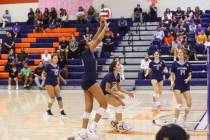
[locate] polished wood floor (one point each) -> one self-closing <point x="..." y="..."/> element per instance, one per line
<point x="22" y="116"/>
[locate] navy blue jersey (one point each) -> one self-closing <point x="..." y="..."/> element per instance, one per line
<point x="111" y="79"/>
<point x="89" y="65"/>
<point x="52" y="74"/>
<point x="181" y="71"/>
<point x="157" y="69"/>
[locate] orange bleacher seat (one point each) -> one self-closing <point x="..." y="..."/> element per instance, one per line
<point x="2" y="68"/>
<point x="45" y="35"/>
<point x="36" y="50"/>
<point x="36" y="61"/>
<point x="56" y="44"/>
<point x="4" y="56"/>
<point x="4" y="75"/>
<point x="28" y="40"/>
<point x="3" y="62"/>
<point x="22" y="45"/>
<point x="60" y="30"/>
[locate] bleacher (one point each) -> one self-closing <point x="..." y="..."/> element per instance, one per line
<point x="36" y="43"/>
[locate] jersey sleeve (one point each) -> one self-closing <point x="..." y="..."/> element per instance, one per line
<point x="173" y="68"/>
<point x="22" y="72"/>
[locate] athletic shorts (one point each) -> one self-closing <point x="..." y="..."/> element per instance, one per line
<point x="182" y="87"/>
<point x="86" y="84"/>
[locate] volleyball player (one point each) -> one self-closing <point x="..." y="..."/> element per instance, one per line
<point x="113" y="90"/>
<point x="52" y="77"/>
<point x="90" y="86"/>
<point x="181" y="74"/>
<point x="157" y="67"/>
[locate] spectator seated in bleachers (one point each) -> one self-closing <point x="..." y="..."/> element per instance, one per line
<point x="6" y="18"/>
<point x="172" y="132"/>
<point x="16" y="30"/>
<point x="46" y="17"/>
<point x="159" y="35"/>
<point x="152" y="13"/>
<point x="176" y="44"/>
<point x="144" y="67"/>
<point x="53" y="14"/>
<point x="92" y="15"/>
<point x="31" y="17"/>
<point x="168" y="39"/>
<point x="39" y="27"/>
<point x="13" y="76"/>
<point x="63" y="47"/>
<point x="189" y="12"/>
<point x="81" y="15"/>
<point x="26" y="75"/>
<point x="167" y="14"/>
<point x="87" y="34"/>
<point x="166" y="22"/>
<point x="201" y="38"/>
<point x="122" y="26"/>
<point x="179" y="13"/>
<point x="38" y="15"/>
<point x="62" y="63"/>
<point x="22" y="58"/>
<point x="11" y="61"/>
<point x="174" y="22"/>
<point x="190" y="51"/>
<point x="138" y="14"/>
<point x="108" y="41"/>
<point x="8" y="43"/>
<point x="64" y="17"/>
<point x="197" y="14"/>
<point x="192" y="27"/>
<point x="73" y="47"/>
<point x="46" y="58"/>
<point x="38" y="76"/>
<point x="198" y="29"/>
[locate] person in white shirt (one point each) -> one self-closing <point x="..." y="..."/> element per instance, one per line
<point x="46" y="57"/>
<point x="6" y="18"/>
<point x="144" y="67"/>
<point x="159" y="34"/>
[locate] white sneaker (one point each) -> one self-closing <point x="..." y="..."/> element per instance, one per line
<point x="78" y="137"/>
<point x="9" y="87"/>
<point x="92" y="134"/>
<point x="123" y="127"/>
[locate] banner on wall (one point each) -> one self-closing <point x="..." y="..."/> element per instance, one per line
<point x="70" y="5"/>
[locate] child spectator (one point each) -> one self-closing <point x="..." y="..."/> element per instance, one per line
<point x="26" y="75"/>
<point x="38" y="76"/>
<point x="13" y="76"/>
<point x="31" y="17"/>
<point x="6" y="18"/>
<point x="16" y="29"/>
<point x="11" y="61"/>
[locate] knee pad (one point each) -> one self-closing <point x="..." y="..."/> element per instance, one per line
<point x="59" y="98"/>
<point x="119" y="109"/>
<point x="179" y="106"/>
<point x="155" y="95"/>
<point x="100" y="111"/>
<point x="86" y="115"/>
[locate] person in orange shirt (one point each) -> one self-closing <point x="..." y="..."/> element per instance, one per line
<point x="168" y="39"/>
<point x="201" y="37"/>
